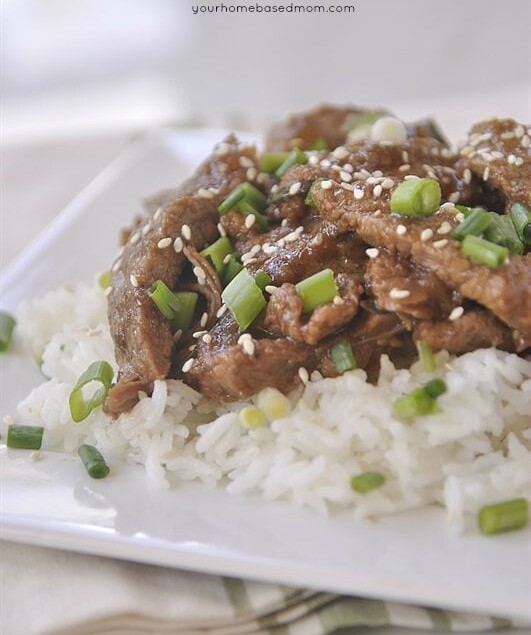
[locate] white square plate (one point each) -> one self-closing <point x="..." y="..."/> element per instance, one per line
<point x="409" y="557"/>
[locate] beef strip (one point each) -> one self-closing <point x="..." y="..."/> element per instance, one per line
<point x="499" y="152"/>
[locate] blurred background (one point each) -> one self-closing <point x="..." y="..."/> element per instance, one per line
<point x="80" y="77"/>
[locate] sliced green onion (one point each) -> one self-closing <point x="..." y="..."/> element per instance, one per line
<point x="506" y="516"/>
<point x="318" y="289"/>
<point x="426" y="357"/>
<point x="233" y="268"/>
<point x="243" y="193"/>
<point x="251" y="417"/>
<point x="217" y="252"/>
<point x="309" y="198"/>
<point x="418" y="197"/>
<point x="178" y="307"/>
<point x="271" y="161"/>
<point x="360" y="125"/>
<point x="466" y="210"/>
<point x="93" y="461"/>
<point x="105" y="279"/>
<point x="501" y="231"/>
<point x="273" y="404"/>
<point x="419" y="402"/>
<point x="295" y="157"/>
<point x="474" y="224"/>
<point x="7" y="324"/>
<point x="484" y="252"/>
<point x="319" y="144"/>
<point x="24" y="437"/>
<point x="343" y="357"/>
<point x="244" y="299"/>
<point x="521" y="217"/>
<point x="80" y="407"/>
<point x="367" y="482"/>
<point x="262" y="279"/>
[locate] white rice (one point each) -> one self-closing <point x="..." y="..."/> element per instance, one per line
<point x="476" y="450"/>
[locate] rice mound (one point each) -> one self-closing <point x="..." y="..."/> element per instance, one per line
<point x="476" y="450"/>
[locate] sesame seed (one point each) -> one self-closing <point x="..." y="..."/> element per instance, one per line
<point x="207" y="338"/>
<point x="177" y="335"/>
<point x="221" y="311"/>
<point x="519" y="131"/>
<point x="326" y="185"/>
<point x="221" y="230"/>
<point x="248" y="347"/>
<point x="460" y="217"/>
<point x="117" y="265"/>
<point x="411" y="177"/>
<point x="313" y="160"/>
<point x="486" y="174"/>
<point x="192" y="348"/>
<point x="426" y="234"/>
<point x="303" y="375"/>
<point x="35" y="456"/>
<point x="274" y="189"/>
<point x="454" y="197"/>
<point x="404" y="167"/>
<point x="399" y="294"/>
<point x="187" y="365"/>
<point x="372" y="180"/>
<point x="255" y="249"/>
<point x="507" y="135"/>
<point x="133" y="280"/>
<point x="164" y="242"/>
<point x="439" y="244"/>
<point x="340" y="153"/>
<point x="377" y="213"/>
<point x="204" y="193"/>
<point x="246" y="162"/>
<point x="372" y="252"/>
<point x="204" y="319"/>
<point x="270" y="288"/>
<point x="348" y="167"/>
<point x="269" y="249"/>
<point x="243" y="337"/>
<point x="292" y="237"/>
<point x="134" y="238"/>
<point x="107" y="291"/>
<point x="186" y="232"/>
<point x="401" y="230"/>
<point x="250" y="220"/>
<point x="262" y="178"/>
<point x="251" y="174"/>
<point x="444" y="228"/>
<point x="387" y="184"/>
<point x="377" y="190"/>
<point x="405" y="156"/>
<point x="316" y="376"/>
<point x="294" y="188"/>
<point x="526" y="141"/>
<point x="198" y="334"/>
<point x="250" y="261"/>
<point x="378" y="174"/>
<point x="338" y="300"/>
<point x="467" y="176"/>
<point x="325" y="163"/>
<point x="227" y="259"/>
<point x="447" y="207"/>
<point x="222" y="149"/>
<point x="519" y="161"/>
<point x="284" y="222"/>
<point x="358" y="193"/>
<point x="199" y="273"/>
<point x="157" y="214"/>
<point x="456" y="313"/>
<point x="347" y="186"/>
<point x="345" y="176"/>
<point x="146" y="228"/>
<point x="178" y="245"/>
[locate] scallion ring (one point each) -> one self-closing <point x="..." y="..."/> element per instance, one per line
<point x="80" y="406"/>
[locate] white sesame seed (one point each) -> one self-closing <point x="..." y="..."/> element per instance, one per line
<point x="250" y="261"/>
<point x="507" y="135"/>
<point x="316" y="376"/>
<point x="198" y="334"/>
<point x="107" y="291"/>
<point x="387" y="184"/>
<point x="255" y="249"/>
<point x="399" y="294"/>
<point x="186" y="232"/>
<point x="439" y="244"/>
<point x="250" y="220"/>
<point x="467" y="176"/>
<point x="460" y="217"/>
<point x="401" y="230"/>
<point x="456" y="313"/>
<point x="347" y="186"/>
<point x="378" y="174"/>
<point x="187" y="365"/>
<point x="199" y="273"/>
<point x="248" y="347"/>
<point x="177" y="335"/>
<point x="313" y="160"/>
<point x="221" y="230"/>
<point x="447" y="207"/>
<point x="292" y="237"/>
<point x="338" y="300"/>
<point x="134" y="238"/>
<point x="525" y="141"/>
<point x="204" y="193"/>
<point x="284" y="222"/>
<point x="444" y="228"/>
<point x="251" y="174"/>
<point x="243" y="337"/>
<point x="372" y="252"/>
<point x="274" y="189"/>
<point x="340" y="153"/>
<point x="372" y="180"/>
<point x="454" y="197"/>
<point x="270" y="288"/>
<point x="326" y="185"/>
<point x="146" y="228"/>
<point x="117" y="265"/>
<point x="164" y="242"/>
<point x="35" y="456"/>
<point x="345" y="176"/>
<point x="133" y="280"/>
<point x="405" y="156"/>
<point x="246" y="162"/>
<point x="404" y="167"/>
<point x="519" y="131"/>
<point x="262" y="178"/>
<point x="178" y="245"/>
<point x="192" y="348"/>
<point x="519" y="161"/>
<point x="325" y="163"/>
<point x="269" y="249"/>
<point x="411" y="177"/>
<point x="204" y="319"/>
<point x="227" y="259"/>
<point x="377" y="190"/>
<point x="426" y="234"/>
<point x="486" y="173"/>
<point x="222" y="310"/>
<point x="294" y="188"/>
<point x="303" y="375"/>
<point x="358" y="193"/>
<point x="348" y="168"/>
<point x="207" y="338"/>
<point x="157" y="214"/>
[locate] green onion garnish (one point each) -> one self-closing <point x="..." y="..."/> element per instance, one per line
<point x="506" y="516"/>
<point x="104" y="280"/>
<point x="295" y="157"/>
<point x="419" y="402"/>
<point x="93" y="461"/>
<point x="262" y="279"/>
<point x="7" y="324"/>
<point x="367" y="481"/>
<point x="271" y="161"/>
<point x="81" y="407"/>
<point x="243" y="193"/>
<point x="418" y="197"/>
<point x="217" y="252"/>
<point x="466" y="210"/>
<point x="24" y="437"/>
<point x="484" y="252"/>
<point x="318" y="289"/>
<point x="319" y="144"/>
<point x="309" y="198"/>
<point x="244" y="299"/>
<point x="233" y="268"/>
<point x="501" y="231"/>
<point x="251" y="417"/>
<point x="360" y="125"/>
<point x="426" y="357"/>
<point x="474" y="224"/>
<point x="178" y="307"/>
<point x="343" y="357"/>
<point x="521" y="217"/>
